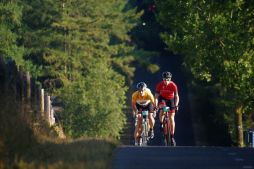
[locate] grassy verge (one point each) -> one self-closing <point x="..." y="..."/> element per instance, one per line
<point x="27" y="143"/>
<point x="78" y="154"/>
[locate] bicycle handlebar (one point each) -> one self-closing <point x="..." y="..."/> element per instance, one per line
<point x="176" y="108"/>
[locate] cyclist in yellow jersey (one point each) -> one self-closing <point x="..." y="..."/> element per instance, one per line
<point x="143" y="99"/>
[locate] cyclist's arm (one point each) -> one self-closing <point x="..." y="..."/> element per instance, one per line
<point x="176" y="96"/>
<point x="177" y="99"/>
<point x="134" y="107"/>
<point x="133" y="102"/>
<point x="156" y="99"/>
<point x="157" y="94"/>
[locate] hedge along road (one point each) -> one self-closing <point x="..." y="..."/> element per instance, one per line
<point x="183" y="157"/>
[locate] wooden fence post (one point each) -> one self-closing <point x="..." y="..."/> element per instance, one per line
<point x="41" y="102"/>
<point x="25" y="89"/>
<point x="47" y="107"/>
<point x="28" y="86"/>
<point x="21" y="84"/>
<point x="18" y="84"/>
<point x="52" y="118"/>
<point x="34" y="95"/>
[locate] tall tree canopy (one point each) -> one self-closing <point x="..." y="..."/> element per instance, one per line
<point x="216" y="40"/>
<point x="81" y="50"/>
<point x="77" y="48"/>
<point x="10" y="23"/>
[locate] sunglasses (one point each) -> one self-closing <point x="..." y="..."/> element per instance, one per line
<point x="166" y="79"/>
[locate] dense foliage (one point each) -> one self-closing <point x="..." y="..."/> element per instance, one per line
<point x="10" y="23"/>
<point x="81" y="51"/>
<point x="216" y="40"/>
<point x="88" y="52"/>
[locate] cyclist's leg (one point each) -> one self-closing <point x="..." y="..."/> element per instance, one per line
<point x="151" y="118"/>
<point x="161" y="116"/>
<point x="172" y="127"/>
<point x="172" y="122"/>
<point x="151" y="125"/>
<point x="161" y="102"/>
<point x="171" y="104"/>
<point x="137" y="131"/>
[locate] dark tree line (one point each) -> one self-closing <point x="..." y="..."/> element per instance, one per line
<point x="215" y="39"/>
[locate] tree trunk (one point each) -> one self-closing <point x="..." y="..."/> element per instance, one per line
<point x="239" y="124"/>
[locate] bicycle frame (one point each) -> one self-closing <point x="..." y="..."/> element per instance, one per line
<point x="166" y="126"/>
<point x="144" y="134"/>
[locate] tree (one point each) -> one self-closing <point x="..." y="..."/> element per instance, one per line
<point x="10" y="23"/>
<point x="83" y="45"/>
<point x="94" y="106"/>
<point x="216" y="40"/>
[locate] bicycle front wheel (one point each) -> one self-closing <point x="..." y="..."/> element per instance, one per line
<point x="144" y="134"/>
<point x="166" y="133"/>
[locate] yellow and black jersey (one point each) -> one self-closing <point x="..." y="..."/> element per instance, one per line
<point x="143" y="100"/>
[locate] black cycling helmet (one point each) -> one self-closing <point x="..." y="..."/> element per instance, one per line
<point x="141" y="85"/>
<point x="166" y="75"/>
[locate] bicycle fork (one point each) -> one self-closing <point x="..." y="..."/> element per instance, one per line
<point x="144" y="134"/>
<point x="166" y="131"/>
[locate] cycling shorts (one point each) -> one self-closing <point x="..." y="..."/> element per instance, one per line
<point x="148" y="107"/>
<point x="169" y="102"/>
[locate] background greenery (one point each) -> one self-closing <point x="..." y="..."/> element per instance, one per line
<point x="86" y="51"/>
<point x="215" y="39"/>
<point x="80" y="51"/>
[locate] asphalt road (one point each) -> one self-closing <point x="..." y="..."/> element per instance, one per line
<point x="159" y="157"/>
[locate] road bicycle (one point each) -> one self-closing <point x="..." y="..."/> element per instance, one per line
<point x="145" y="128"/>
<point x="166" y="126"/>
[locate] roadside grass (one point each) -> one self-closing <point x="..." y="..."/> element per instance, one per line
<point x="26" y="142"/>
<point x="76" y="154"/>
